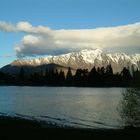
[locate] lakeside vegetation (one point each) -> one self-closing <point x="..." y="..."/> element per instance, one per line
<point x="96" y="77"/>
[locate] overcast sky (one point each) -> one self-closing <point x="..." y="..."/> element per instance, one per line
<point x="30" y="28"/>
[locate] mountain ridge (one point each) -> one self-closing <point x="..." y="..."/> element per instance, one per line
<point x="85" y="59"/>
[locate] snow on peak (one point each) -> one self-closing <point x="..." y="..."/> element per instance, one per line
<point x="87" y="58"/>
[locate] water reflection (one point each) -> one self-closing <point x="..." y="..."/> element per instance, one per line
<point x="129" y="107"/>
<point x="78" y="107"/>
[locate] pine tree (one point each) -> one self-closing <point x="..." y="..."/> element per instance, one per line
<point x="21" y="74"/>
<point x="109" y="76"/>
<point x="69" y="74"/>
<point x="126" y="76"/>
<point x="93" y="77"/>
<point x="61" y="77"/>
<point x="69" y="77"/>
<point x="109" y="70"/>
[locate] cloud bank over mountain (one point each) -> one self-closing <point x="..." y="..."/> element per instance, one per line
<point x="41" y="40"/>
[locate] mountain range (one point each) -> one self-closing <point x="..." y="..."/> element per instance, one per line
<point x="84" y="59"/>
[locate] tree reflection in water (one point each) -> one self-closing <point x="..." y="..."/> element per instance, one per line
<point x="129" y="107"/>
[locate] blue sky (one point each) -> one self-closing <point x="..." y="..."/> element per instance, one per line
<point x="63" y="14"/>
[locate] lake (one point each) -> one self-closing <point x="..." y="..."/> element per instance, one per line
<point x="70" y="106"/>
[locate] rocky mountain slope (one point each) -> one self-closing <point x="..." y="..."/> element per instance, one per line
<point x="83" y="59"/>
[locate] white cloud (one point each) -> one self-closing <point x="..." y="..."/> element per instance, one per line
<point x="24" y="26"/>
<point x="28" y="28"/>
<point x="111" y="37"/>
<point x="6" y="27"/>
<point x="40" y="40"/>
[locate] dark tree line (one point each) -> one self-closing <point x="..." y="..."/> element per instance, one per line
<point x="96" y="77"/>
<point x="5" y="79"/>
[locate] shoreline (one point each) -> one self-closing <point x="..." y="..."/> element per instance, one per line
<point x="16" y="126"/>
<point x="70" y="86"/>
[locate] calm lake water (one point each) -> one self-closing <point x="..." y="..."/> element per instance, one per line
<point x="71" y="106"/>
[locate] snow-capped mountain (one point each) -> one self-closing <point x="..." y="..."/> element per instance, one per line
<point x="86" y="59"/>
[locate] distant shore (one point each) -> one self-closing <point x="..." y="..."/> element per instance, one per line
<point x="22" y="128"/>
